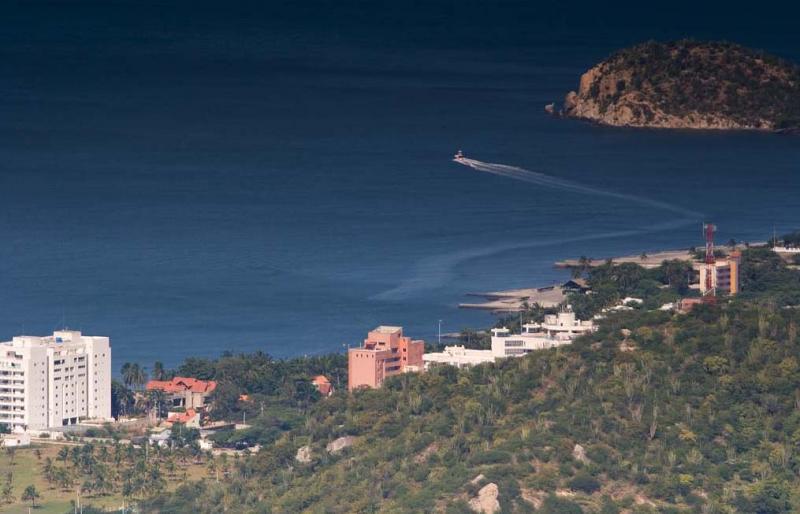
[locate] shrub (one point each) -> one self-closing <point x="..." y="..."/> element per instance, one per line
<point x="584" y="482"/>
<point x="555" y="505"/>
<point x="490" y="457"/>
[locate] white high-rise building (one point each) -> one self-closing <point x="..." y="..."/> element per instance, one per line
<point x="55" y="380"/>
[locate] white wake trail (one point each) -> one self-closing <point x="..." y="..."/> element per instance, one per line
<point x="533" y="177"/>
<point x="437" y="270"/>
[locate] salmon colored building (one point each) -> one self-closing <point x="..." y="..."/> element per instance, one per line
<point x="724" y="274"/>
<point x="386" y="352"/>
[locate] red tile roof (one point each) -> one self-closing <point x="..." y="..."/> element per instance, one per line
<point x="322" y="384"/>
<point x="182" y="417"/>
<point x="181" y="384"/>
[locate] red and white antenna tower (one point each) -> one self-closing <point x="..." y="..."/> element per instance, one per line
<point x="710" y="291"/>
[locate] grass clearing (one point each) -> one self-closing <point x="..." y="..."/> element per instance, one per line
<point x="27" y="470"/>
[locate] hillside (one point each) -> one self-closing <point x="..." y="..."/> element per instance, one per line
<point x="656" y="412"/>
<point x="689" y="85"/>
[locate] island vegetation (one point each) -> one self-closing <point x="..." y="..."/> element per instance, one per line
<point x="690" y="84"/>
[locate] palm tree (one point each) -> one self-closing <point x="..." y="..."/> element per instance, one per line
<point x="64" y="478"/>
<point x="8" y="489"/>
<point x="101" y="482"/>
<point x="123" y="398"/>
<point x="585" y="263"/>
<point x="31" y="494"/>
<point x="133" y="375"/>
<point x="140" y="376"/>
<point x="170" y="466"/>
<point x="158" y="371"/>
<point x="156" y="399"/>
<point x="127" y="373"/>
<point x="212" y="468"/>
<point x="47" y="469"/>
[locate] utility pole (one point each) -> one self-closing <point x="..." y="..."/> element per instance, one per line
<point x="709" y="296"/>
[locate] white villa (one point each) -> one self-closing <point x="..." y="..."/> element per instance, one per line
<point x="556" y="330"/>
<point x="457" y="356"/>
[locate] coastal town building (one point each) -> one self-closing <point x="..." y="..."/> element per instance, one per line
<point x="186" y="392"/>
<point x="791" y="250"/>
<point x="17" y="440"/>
<point x="323" y="385"/>
<point x="724" y="274"/>
<point x="54" y="381"/>
<point x="555" y="330"/>
<point x="190" y="417"/>
<point x="687" y="304"/>
<point x="385" y="352"/>
<point x="457" y="356"/>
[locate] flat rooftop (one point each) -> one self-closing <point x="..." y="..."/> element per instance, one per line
<point x="388" y="329"/>
<point x="59" y="337"/>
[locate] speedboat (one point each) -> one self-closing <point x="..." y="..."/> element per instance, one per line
<point x="458" y="156"/>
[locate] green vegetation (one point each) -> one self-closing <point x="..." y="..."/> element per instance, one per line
<point x="272" y="385"/>
<point x="792" y="240"/>
<point x="611" y="283"/>
<point x="105" y="474"/>
<point x="694" y="412"/>
<point x="767" y="280"/>
<point x="278" y="391"/>
<point x="31" y="494"/>
<point x="655" y="412"/>
<point x="736" y="85"/>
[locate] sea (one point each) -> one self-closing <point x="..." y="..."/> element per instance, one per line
<point x="191" y="178"/>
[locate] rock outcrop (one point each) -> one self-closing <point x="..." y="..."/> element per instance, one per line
<point x="689" y="85"/>
<point x="340" y="444"/>
<point x="487" y="500"/>
<point x="579" y="454"/>
<point x="303" y="455"/>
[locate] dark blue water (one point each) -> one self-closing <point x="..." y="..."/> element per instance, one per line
<point x="189" y="180"/>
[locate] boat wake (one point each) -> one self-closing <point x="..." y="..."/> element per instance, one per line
<point x="436" y="271"/>
<point x="533" y="177"/>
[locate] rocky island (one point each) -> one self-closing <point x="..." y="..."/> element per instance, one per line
<point x="689" y="85"/>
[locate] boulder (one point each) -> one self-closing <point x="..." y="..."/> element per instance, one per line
<point x="303" y="455"/>
<point x="340" y="444"/>
<point x="486" y="502"/>
<point x="579" y="454"/>
<point x="477" y="479"/>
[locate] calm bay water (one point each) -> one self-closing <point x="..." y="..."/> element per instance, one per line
<point x="190" y="180"/>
